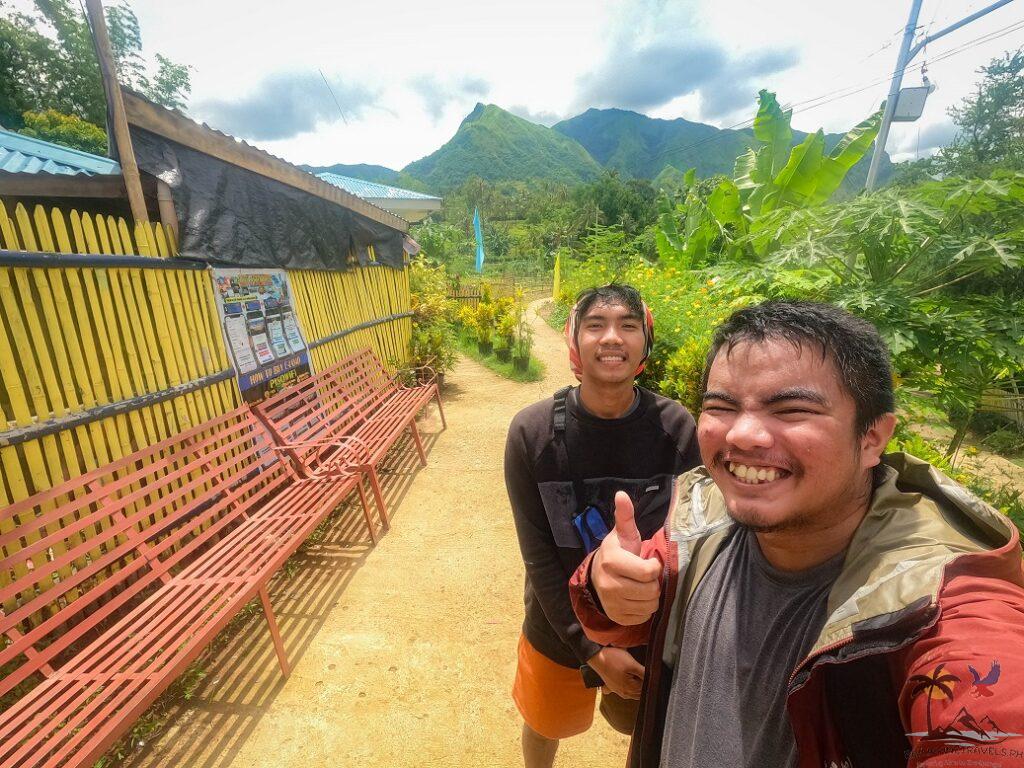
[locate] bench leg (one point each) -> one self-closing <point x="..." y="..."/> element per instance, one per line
<point x="275" y="633"/>
<point x="440" y="408"/>
<point x="378" y="497"/>
<point x="419" y="443"/>
<point x="366" y="511"/>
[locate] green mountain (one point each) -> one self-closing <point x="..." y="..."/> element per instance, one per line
<point x="499" y="146"/>
<point x="639" y="146"/>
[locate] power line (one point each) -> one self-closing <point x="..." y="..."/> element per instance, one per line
<point x="842" y="93"/>
<point x="331" y="90"/>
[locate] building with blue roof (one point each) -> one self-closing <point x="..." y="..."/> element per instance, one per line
<point x="33" y="168"/>
<point x="411" y="206"/>
<point x="24" y="154"/>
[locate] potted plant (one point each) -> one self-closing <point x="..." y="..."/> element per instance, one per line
<point x="484" y="317"/>
<point x="505" y="335"/>
<point x="523" y="345"/>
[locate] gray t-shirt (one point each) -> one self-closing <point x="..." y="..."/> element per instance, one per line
<point x="747" y="627"/>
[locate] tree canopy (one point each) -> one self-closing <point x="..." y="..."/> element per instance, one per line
<point x="48" y="65"/>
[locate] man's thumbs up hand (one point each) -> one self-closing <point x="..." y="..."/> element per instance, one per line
<point x="628" y="586"/>
<point x="625" y="524"/>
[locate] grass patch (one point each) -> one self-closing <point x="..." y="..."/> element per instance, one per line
<point x="557" y="316"/>
<point x="534" y="371"/>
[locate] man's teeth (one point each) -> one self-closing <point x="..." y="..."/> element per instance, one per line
<point x="754" y="475"/>
<point x="619" y="358"/>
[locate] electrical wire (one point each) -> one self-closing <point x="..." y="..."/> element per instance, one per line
<point x="827" y="98"/>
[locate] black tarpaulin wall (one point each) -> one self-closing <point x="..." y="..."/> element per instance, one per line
<point x="233" y="216"/>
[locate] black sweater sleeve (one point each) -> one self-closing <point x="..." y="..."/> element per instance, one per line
<point x="537" y="544"/>
<point x="688" y="449"/>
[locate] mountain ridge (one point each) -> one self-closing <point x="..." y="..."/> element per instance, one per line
<point x="496" y="145"/>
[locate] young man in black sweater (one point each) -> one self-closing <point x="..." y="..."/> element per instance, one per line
<point x="565" y="458"/>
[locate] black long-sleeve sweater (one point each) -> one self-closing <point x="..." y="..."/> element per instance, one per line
<point x="640" y="453"/>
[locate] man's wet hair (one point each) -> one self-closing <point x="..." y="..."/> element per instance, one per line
<point x="613" y="293"/>
<point x="853" y="345"/>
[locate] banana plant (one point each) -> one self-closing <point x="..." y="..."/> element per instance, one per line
<point x="712" y="222"/>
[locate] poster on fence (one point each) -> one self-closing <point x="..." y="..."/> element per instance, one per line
<point x="260" y="329"/>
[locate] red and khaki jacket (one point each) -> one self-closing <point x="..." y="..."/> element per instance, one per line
<point x="921" y="659"/>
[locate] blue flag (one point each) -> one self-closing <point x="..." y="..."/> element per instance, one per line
<point x="479" y="240"/>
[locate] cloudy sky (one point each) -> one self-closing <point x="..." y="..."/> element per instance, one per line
<point x="405" y="73"/>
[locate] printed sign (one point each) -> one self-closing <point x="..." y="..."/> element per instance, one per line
<point x="261" y="331"/>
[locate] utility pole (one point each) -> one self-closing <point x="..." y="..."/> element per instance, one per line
<point x="119" y="121"/>
<point x="906" y="55"/>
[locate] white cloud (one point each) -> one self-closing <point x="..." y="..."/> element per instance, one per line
<point x="533" y="54"/>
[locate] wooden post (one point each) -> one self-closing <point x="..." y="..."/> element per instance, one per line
<point x="108" y="70"/>
<point x="168" y="216"/>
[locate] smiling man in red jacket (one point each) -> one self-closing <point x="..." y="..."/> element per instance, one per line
<point x="811" y="602"/>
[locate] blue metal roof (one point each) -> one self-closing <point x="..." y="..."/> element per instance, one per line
<point x="23" y="154"/>
<point x="369" y="190"/>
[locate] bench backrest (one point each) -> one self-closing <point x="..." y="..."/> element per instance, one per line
<point x="327" y="405"/>
<point x="366" y="380"/>
<point x="75" y="557"/>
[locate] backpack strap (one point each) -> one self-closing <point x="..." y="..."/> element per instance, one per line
<point x="558" y="414"/>
<point x="566" y="470"/>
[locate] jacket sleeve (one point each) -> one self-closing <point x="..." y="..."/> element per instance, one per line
<point x="967" y="673"/>
<point x="597" y="626"/>
<point x="537" y="544"/>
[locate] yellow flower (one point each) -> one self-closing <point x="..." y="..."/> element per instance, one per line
<point x="696" y="305"/>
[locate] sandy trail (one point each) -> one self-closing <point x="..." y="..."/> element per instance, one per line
<point x="403" y="654"/>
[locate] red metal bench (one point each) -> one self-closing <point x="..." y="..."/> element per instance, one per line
<point x="349" y="416"/>
<point x="121" y="577"/>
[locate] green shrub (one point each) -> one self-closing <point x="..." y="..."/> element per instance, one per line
<point x="433" y="323"/>
<point x="67" y="130"/>
<point x="683" y="372"/>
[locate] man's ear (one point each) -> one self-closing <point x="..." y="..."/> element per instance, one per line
<point x="873" y="442"/>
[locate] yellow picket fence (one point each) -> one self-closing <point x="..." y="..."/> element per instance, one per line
<point x="76" y="338"/>
<point x="80" y="339"/>
<point x="374" y="300"/>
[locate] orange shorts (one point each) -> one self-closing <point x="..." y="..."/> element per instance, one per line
<point x="555" y="703"/>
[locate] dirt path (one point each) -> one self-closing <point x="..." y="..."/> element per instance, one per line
<point x="404" y="653"/>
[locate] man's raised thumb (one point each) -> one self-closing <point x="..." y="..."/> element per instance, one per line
<point x="625" y="524"/>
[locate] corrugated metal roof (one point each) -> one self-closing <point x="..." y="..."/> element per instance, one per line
<point x="369" y="190"/>
<point x="22" y="154"/>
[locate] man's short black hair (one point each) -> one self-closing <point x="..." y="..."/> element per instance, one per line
<point x="856" y="349"/>
<point x="613" y="293"/>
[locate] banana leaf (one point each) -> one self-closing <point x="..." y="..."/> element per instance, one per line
<point x="796" y="182"/>
<point x="772" y="128"/>
<point x="846" y="154"/>
<point x="724" y="205"/>
<point x="752" y="169"/>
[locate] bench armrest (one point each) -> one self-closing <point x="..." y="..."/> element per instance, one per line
<point x="362" y="452"/>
